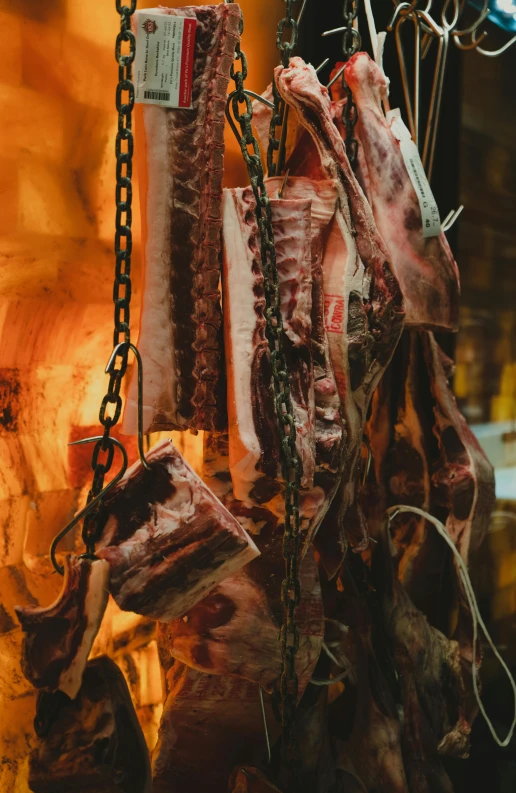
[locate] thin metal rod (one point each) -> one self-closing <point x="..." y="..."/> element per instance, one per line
<point x="259" y="98"/>
<point x="301" y="12"/>
<point x="283" y="139"/>
<point x="446" y="41"/>
<point x="283" y="184"/>
<point x="265" y="726"/>
<point x="433" y="100"/>
<point x="451" y="218"/>
<point x="333" y="31"/>
<point x="404" y="76"/>
<point x="336" y="77"/>
<point x="417" y="62"/>
<point x="322" y="65"/>
<point x="139" y="362"/>
<point x="91" y="504"/>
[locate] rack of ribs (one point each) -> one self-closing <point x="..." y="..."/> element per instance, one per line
<point x="181" y="156"/>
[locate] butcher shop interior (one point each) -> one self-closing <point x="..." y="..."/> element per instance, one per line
<point x="263" y="546"/>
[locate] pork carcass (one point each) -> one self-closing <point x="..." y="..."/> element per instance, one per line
<point x="94" y="744"/>
<point x="363" y="303"/>
<point x="235" y="629"/>
<point x="58" y="638"/>
<point x="424" y="266"/>
<point x="168" y="540"/>
<point x="253" y="433"/>
<point x="181" y="170"/>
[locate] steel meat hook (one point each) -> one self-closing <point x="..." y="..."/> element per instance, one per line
<point x="91" y="504"/>
<point x="109" y="369"/>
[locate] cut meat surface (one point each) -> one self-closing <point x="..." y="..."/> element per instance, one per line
<point x="209" y="723"/>
<point x="181" y="170"/>
<point x="363" y="302"/>
<point x="329" y="430"/>
<point x="425" y="267"/>
<point x="95" y="744"/>
<point x="253" y="433"/>
<point x="58" y="638"/>
<point x="234" y="631"/>
<point x="167" y="538"/>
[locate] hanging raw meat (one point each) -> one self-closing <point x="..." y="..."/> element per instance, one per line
<point x="425" y="267"/>
<point x="209" y="723"/>
<point x="234" y="631"/>
<point x="167" y="538"/>
<point x="253" y="433"/>
<point x="58" y="638"/>
<point x="181" y="167"/>
<point x="94" y="744"/>
<point x="329" y="429"/>
<point x="363" y="302"/>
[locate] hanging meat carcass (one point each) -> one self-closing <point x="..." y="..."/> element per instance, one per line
<point x="424" y="266"/>
<point x="167" y="538"/>
<point x="95" y="743"/>
<point x="58" y="638"/>
<point x="181" y="168"/>
<point x="363" y="302"/>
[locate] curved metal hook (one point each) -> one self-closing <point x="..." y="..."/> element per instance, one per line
<point x="402" y="9"/>
<point x="109" y="368"/>
<point x="365" y="441"/>
<point x="492" y="53"/>
<point x="91" y="504"/>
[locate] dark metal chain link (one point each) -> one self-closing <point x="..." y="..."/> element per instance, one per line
<point x="286" y="48"/>
<point x="290" y="461"/>
<point x="111" y="406"/>
<point x="351" y="43"/>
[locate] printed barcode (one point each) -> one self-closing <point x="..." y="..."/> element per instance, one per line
<point x="162" y="95"/>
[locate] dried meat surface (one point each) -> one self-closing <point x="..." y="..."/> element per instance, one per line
<point x="58" y="638"/>
<point x="424" y="266"/>
<point x="181" y="171"/>
<point x="167" y="538"/>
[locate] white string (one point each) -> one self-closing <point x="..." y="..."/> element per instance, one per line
<point x="475" y="615"/>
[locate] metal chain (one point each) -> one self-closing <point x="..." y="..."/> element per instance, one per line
<point x="123" y="250"/>
<point x="290" y="461"/>
<point x="286" y="48"/>
<point x="351" y="43"/>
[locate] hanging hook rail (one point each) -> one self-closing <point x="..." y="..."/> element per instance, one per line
<point x="91" y="504"/>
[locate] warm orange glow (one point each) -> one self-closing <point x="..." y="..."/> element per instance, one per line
<point x="57" y="89"/>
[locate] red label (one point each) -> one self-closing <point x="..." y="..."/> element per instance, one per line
<point x="187" y="57"/>
<point x="334" y="313"/>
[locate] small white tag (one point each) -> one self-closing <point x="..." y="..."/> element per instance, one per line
<point x="164" y="59"/>
<point x="427" y="204"/>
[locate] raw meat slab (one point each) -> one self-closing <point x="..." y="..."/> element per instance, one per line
<point x="181" y="154"/>
<point x="167" y="538"/>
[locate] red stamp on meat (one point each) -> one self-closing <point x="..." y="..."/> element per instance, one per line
<point x="149" y="26"/>
<point x="334" y="313"/>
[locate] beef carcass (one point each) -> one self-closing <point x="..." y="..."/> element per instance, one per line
<point x="234" y="631"/>
<point x="212" y="717"/>
<point x="181" y="170"/>
<point x="167" y="538"/>
<point x="425" y="267"/>
<point x="58" y="638"/>
<point x="253" y="434"/>
<point x="94" y="744"/>
<point x="363" y="302"/>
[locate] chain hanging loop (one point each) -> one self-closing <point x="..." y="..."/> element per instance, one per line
<point x="351" y="43"/>
<point x="286" y="47"/>
<point x="111" y="406"/>
<point x="290" y="462"/>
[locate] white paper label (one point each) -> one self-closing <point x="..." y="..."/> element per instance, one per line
<point x="427" y="204"/>
<point x="164" y="59"/>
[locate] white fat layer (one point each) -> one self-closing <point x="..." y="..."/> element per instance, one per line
<point x="94" y="607"/>
<point x="240" y="317"/>
<point x="156" y="337"/>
